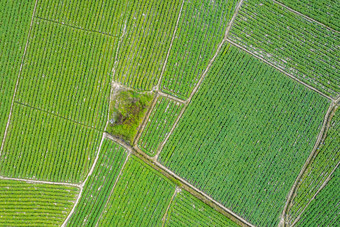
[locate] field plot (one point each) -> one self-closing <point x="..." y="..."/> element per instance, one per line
<point x="27" y="204"/>
<point x="145" y="44"/>
<point x="161" y="120"/>
<point x="324" y="11"/>
<point x="186" y="210"/>
<point x="325" y="208"/>
<point x="67" y="72"/>
<point x="13" y="36"/>
<point x="99" y="185"/>
<point x="200" y="30"/>
<point x="45" y="147"/>
<point x="245" y="136"/>
<point x="305" y="49"/>
<point x="318" y="170"/>
<point x="140" y="197"/>
<point x="104" y="16"/>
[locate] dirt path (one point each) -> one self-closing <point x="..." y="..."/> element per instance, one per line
<point x="320" y="137"/>
<point x="18" y="78"/>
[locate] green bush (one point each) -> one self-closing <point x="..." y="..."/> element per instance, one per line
<point x="127" y="111"/>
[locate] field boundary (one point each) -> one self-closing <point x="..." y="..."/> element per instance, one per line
<point x="18" y="78"/>
<point x="172" y="97"/>
<point x="57" y="115"/>
<point x="311" y="156"/>
<point x="75" y="27"/>
<point x="305" y="16"/>
<point x="281" y="70"/>
<point x="40" y="181"/>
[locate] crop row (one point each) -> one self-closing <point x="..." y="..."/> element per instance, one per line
<point x="103" y="16"/>
<point x="160" y="122"/>
<point x="99" y="185"/>
<point x="28" y="204"/>
<point x="13" y="36"/>
<point x="67" y="72"/>
<point x="324" y="11"/>
<point x="324" y="209"/>
<point x="144" y="47"/>
<point x="245" y="135"/>
<point x="327" y="158"/>
<point x="305" y="49"/>
<point x="200" y="30"/>
<point x="186" y="210"/>
<point x="46" y="147"/>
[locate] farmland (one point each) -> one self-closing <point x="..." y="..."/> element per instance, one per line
<point x="186" y="210"/>
<point x="161" y="120"/>
<point x="213" y="143"/>
<point x="50" y="83"/>
<point x="105" y="17"/>
<point x="149" y="192"/>
<point x="310" y="52"/>
<point x="137" y="66"/>
<point x="13" y="38"/>
<point x="28" y="204"/>
<point x="99" y="185"/>
<point x="324" y="209"/>
<point x="42" y="146"/>
<point x="326" y="12"/>
<point x="169" y="113"/>
<point x="318" y="171"/>
<point x="201" y="28"/>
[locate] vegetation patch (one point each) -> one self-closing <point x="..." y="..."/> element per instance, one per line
<point x="127" y="110"/>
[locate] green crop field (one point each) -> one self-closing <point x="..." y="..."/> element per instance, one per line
<point x="320" y="168"/>
<point x="233" y="123"/>
<point x="50" y="83"/>
<point x="324" y="209"/>
<point x="99" y="185"/>
<point x="16" y="17"/>
<point x="160" y="122"/>
<point x="140" y="198"/>
<point x="106" y="16"/>
<point x="169" y="113"/>
<point x="303" y="48"/>
<point x="324" y="11"/>
<point x="27" y="204"/>
<point x="137" y="66"/>
<point x="186" y="210"/>
<point x="201" y="28"/>
<point x="42" y="146"/>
